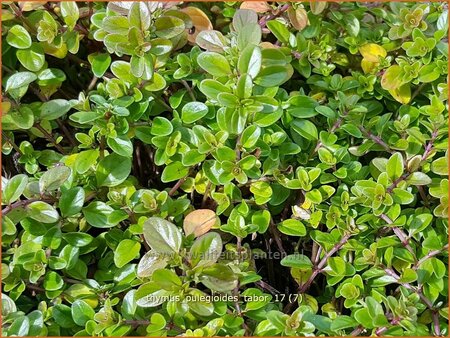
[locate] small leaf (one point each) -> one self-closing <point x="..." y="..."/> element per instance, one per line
<point x="174" y="171"/>
<point x="113" y="170"/>
<point x="306" y="129"/>
<point x="193" y="111"/>
<point x="14" y="188"/>
<point x="162" y="236"/>
<point x="392" y="78"/>
<point x="81" y="312"/>
<point x="151" y="262"/>
<point x="297" y="261"/>
<point x="394" y="166"/>
<point x="20" y="79"/>
<point x="214" y="63"/>
<point x="53" y="109"/>
<point x="18" y="37"/>
<point x="206" y="249"/>
<point x="100" y="63"/>
<point x="71" y="201"/>
<point x="199" y="222"/>
<point x="54" y="178"/>
<point x="126" y="251"/>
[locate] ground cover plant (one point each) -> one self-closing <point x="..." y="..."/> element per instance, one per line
<point x="212" y="169"/>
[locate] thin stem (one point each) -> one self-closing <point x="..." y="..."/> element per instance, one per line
<point x="23" y="18"/>
<point x="12" y="143"/>
<point x="333" y="128"/>
<point x="35" y="288"/>
<point x="376" y="139"/>
<point x="429" y="146"/>
<point x="400" y="234"/>
<point x="419" y="291"/>
<point x="436" y="325"/>
<point x="144" y="242"/>
<point x="323" y="262"/>
<point x="92" y="83"/>
<point x="268" y="287"/>
<point x="206" y="195"/>
<point x="429" y="255"/>
<point x="66" y="132"/>
<point x="275" y="235"/>
<point x="397" y="182"/>
<point x="280" y="11"/>
<point x="24" y="203"/>
<point x="50" y="138"/>
<point x="189" y="90"/>
<point x="177" y="185"/>
<point x="426" y="154"/>
<point x="357" y="331"/>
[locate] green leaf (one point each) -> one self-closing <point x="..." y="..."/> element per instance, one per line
<point x="42" y="212"/>
<point x="18" y="37"/>
<point x="53" y="109"/>
<point x="14" y="188"/>
<point x="419" y="178"/>
<point x="262" y="192"/>
<point x="71" y="201"/>
<point x="54" y="178"/>
<point x="62" y="315"/>
<point x="168" y="27"/>
<point x="53" y="281"/>
<point x="156" y="84"/>
<point x="100" y="63"/>
<point x="97" y="214"/>
<point x="139" y="16"/>
<point x="440" y="166"/>
<point x="193" y="111"/>
<point x="394" y="166"/>
<point x="142" y="67"/>
<point x="19" y="80"/>
<point x="306" y="129"/>
<point x="279" y="29"/>
<point x="70" y="13"/>
<point x="297" y="261"/>
<point x="32" y="58"/>
<point x="19" y="327"/>
<point x="343" y="322"/>
<point x="161" y="126"/>
<point x="162" y="236"/>
<point x="121" y="145"/>
<point x="174" y="171"/>
<point x="250" y="34"/>
<point x="243" y="17"/>
<point x="302" y="106"/>
<point x="126" y="251"/>
<point x="157" y="323"/>
<point x="214" y="63"/>
<point x="206" y="249"/>
<point x="116" y="24"/>
<point x="192" y="157"/>
<point x="78" y="239"/>
<point x="211" y="40"/>
<point x="151" y="262"/>
<point x="250" y="136"/>
<point x="81" y="312"/>
<point x="272" y="76"/>
<point x="392" y="78"/>
<point x="166" y="279"/>
<point x="292" y="227"/>
<point x="219" y="277"/>
<point x="212" y="88"/>
<point x="113" y="170"/>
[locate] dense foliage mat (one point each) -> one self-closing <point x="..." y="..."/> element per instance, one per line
<point x="224" y="169"/>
